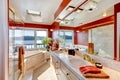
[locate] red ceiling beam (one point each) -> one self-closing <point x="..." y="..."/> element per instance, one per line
<point x="61" y="7"/>
<point x="97" y="23"/>
<point x="55" y="26"/>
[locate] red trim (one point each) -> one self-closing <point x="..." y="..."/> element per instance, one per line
<point x="97" y="23"/>
<point x="116" y="10"/>
<point x="55" y="26"/>
<point x="61" y="7"/>
<point x="49" y="33"/>
<point x="67" y="28"/>
<point x="75" y="37"/>
<point x="32" y="25"/>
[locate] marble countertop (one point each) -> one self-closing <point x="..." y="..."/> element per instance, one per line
<point x="74" y="62"/>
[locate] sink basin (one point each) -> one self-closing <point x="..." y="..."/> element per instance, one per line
<point x="77" y="62"/>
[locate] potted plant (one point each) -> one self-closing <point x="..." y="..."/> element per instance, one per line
<point x="62" y="41"/>
<point x="45" y="41"/>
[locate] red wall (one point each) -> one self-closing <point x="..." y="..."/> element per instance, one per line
<point x="82" y="38"/>
<point x="55" y="27"/>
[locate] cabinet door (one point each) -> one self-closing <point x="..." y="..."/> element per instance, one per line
<point x="69" y="75"/>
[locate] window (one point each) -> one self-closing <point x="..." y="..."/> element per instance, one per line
<point x="30" y="38"/>
<point x="67" y="36"/>
<point x="39" y="36"/>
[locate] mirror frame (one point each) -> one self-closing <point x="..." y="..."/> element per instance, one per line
<point x="116" y="33"/>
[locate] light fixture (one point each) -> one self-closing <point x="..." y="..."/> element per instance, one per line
<point x="104" y="14"/>
<point x="77" y="31"/>
<point x="58" y="19"/>
<point x="31" y="12"/>
<point x="70" y="8"/>
<point x="79" y="10"/>
<point x="51" y="30"/>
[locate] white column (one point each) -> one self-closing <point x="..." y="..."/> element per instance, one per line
<point x="3" y="40"/>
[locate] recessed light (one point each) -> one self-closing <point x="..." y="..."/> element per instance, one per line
<point x="79" y="10"/>
<point x="104" y="14"/>
<point x="77" y="31"/>
<point x="90" y="9"/>
<point x="70" y="8"/>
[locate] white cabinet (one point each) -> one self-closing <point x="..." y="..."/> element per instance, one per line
<point x="68" y="73"/>
<point x="62" y="72"/>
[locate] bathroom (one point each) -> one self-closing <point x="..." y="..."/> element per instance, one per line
<point x="89" y="28"/>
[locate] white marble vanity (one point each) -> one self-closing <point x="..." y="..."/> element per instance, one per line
<point x="69" y="66"/>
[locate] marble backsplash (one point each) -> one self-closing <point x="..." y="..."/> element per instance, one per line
<point x="113" y="64"/>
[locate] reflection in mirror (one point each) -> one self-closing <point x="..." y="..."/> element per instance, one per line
<point x="103" y="39"/>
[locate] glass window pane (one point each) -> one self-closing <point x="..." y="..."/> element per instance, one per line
<point x="68" y="38"/>
<point x="39" y="36"/>
<point x="29" y="39"/>
<point x="18" y="37"/>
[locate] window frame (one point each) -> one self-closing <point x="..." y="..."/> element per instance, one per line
<point x="64" y="35"/>
<point x="35" y="35"/>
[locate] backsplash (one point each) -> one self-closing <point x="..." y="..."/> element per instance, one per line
<point x="107" y="62"/>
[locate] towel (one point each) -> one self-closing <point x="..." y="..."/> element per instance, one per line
<point x="21" y="59"/>
<point x="89" y="69"/>
<point x="93" y="72"/>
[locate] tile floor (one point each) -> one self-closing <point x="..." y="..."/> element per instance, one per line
<point x="45" y="72"/>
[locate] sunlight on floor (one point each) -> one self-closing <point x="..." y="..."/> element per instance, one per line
<point x="49" y="74"/>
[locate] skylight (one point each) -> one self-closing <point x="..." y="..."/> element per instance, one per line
<point x="32" y="12"/>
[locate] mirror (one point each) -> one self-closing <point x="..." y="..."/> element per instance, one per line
<point x="103" y="35"/>
<point x="103" y="39"/>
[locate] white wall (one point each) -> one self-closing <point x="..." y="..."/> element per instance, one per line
<point x="3" y="40"/>
<point x="103" y="39"/>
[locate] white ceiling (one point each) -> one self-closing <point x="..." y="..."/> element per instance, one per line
<point x="46" y="7"/>
<point x="49" y="7"/>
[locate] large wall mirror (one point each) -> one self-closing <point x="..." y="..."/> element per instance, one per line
<point x="103" y="39"/>
<point x="106" y="38"/>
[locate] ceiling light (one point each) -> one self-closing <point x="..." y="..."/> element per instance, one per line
<point x="58" y="19"/>
<point x="70" y="8"/>
<point x="90" y="9"/>
<point x="51" y="30"/>
<point x="104" y="14"/>
<point x="31" y="12"/>
<point x="77" y="31"/>
<point x="79" y="10"/>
